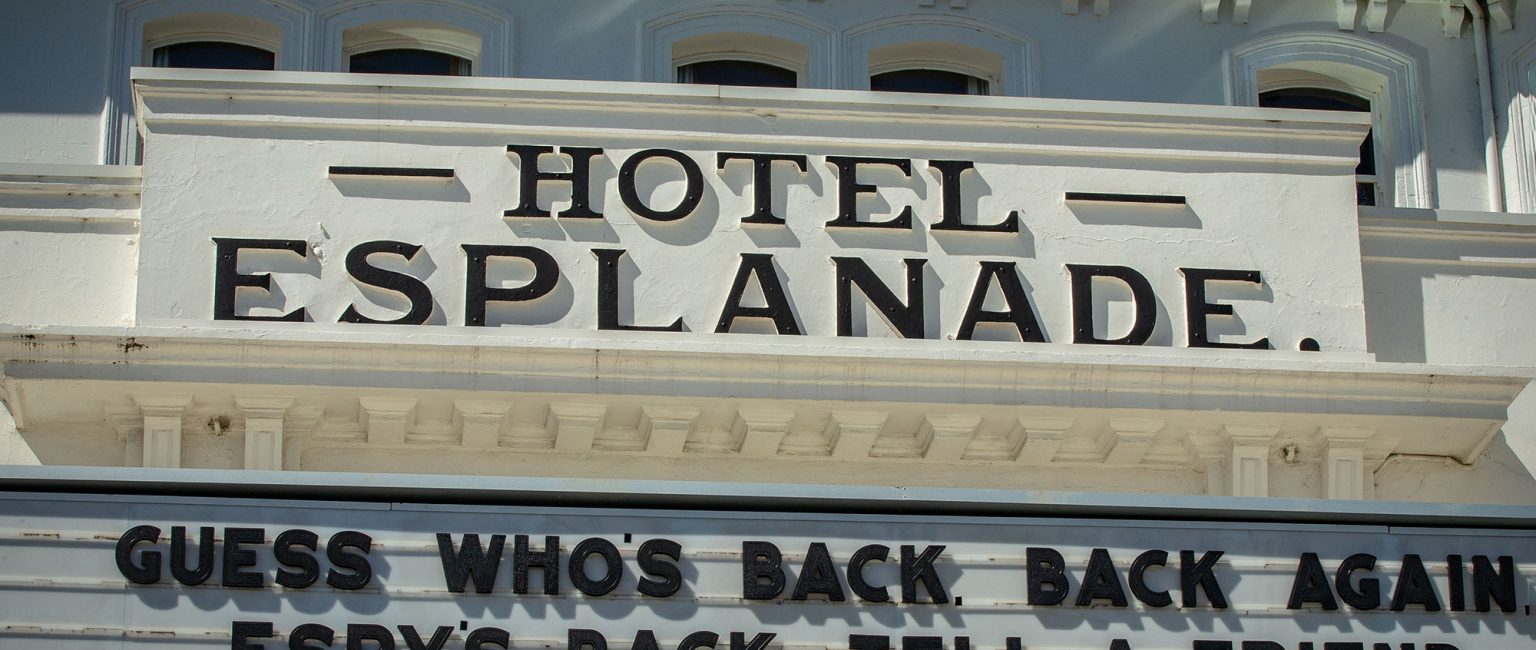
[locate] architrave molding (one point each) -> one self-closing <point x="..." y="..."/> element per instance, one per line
<point x="494" y="28"/>
<point x="1520" y="151"/>
<point x="1397" y="111"/>
<point x="119" y="140"/>
<point x="1020" y="59"/>
<point x="658" y="36"/>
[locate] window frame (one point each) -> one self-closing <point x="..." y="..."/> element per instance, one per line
<point x="480" y="35"/>
<point x="134" y="20"/>
<point x="1387" y="78"/>
<point x="1006" y="60"/>
<point x="774" y="36"/>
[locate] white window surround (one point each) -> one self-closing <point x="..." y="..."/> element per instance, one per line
<point x="737" y="46"/>
<point x="937" y="55"/>
<point x="1520" y="153"/>
<point x="951" y="43"/>
<point x="139" y="26"/>
<point x="770" y="35"/>
<point x="222" y="28"/>
<point x="1386" y="77"/>
<point x="469" y="31"/>
<point x="411" y="35"/>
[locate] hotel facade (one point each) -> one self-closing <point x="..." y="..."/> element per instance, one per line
<point x="784" y="324"/>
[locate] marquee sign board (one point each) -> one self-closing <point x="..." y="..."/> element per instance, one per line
<point x="162" y="572"/>
<point x="703" y="211"/>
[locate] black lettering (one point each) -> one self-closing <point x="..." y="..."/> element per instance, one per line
<point x="1311" y="585"/>
<point x="381" y="637"/>
<point x="488" y="636"/>
<point x="1490" y="585"/>
<point x="348" y="550"/>
<point x="856" y="581"/>
<point x="917" y="568"/>
<point x="760" y="641"/>
<point x="1456" y="579"/>
<point x="227" y="280"/>
<point x="611" y="560"/>
<point x="469" y="562"/>
<point x="1197" y="310"/>
<point x="241" y="633"/>
<point x="868" y="642"/>
<point x="1047" y="577"/>
<point x="645" y="640"/>
<point x="308" y="568"/>
<point x="1368" y="596"/>
<point x="1413" y="587"/>
<point x="579" y="639"/>
<point x="762" y="181"/>
<point x="236" y="558"/>
<point x="147" y="571"/>
<point x="413" y="638"/>
<point x="698" y="640"/>
<point x="693" y="191"/>
<point x="849" y="189"/>
<point x="818" y="576"/>
<point x="650" y="563"/>
<point x="1082" y="304"/>
<point x="608" y="295"/>
<point x="1200" y="574"/>
<point x="762" y="574"/>
<point x="905" y="319"/>
<point x="303" y="634"/>
<point x="580" y="178"/>
<point x="1100" y="581"/>
<point x="546" y="275"/>
<point x="950" y="174"/>
<point x="922" y="643"/>
<point x="199" y="574"/>
<point x="547" y="561"/>
<point x="1020" y="313"/>
<point x="1138" y="579"/>
<point x="412" y="288"/>
<point x="760" y="266"/>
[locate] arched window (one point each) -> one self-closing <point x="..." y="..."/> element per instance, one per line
<point x="212" y="41"/>
<point x="938" y="54"/>
<point x="927" y="80"/>
<point x="228" y="34"/>
<point x="410" y="47"/>
<point x="214" y="55"/>
<point x="734" y="72"/>
<point x="1367" y="188"/>
<point x="746" y="46"/>
<point x="446" y="37"/>
<point x="410" y="61"/>
<point x="1386" y="80"/>
<point x="740" y="59"/>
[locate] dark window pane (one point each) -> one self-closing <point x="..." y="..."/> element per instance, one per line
<point x="408" y="61"/>
<point x="1365" y="193"/>
<point x="1319" y="99"/>
<point x="737" y="73"/>
<point x="928" y="81"/>
<point x="214" y="55"/>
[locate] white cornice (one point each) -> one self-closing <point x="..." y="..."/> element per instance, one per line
<point x="342" y="103"/>
<point x="1431" y="410"/>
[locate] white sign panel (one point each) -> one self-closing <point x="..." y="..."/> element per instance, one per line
<point x="100" y="572"/>
<point x="587" y="206"/>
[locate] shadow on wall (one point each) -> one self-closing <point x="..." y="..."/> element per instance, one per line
<point x="1499" y="476"/>
<point x="1447" y="300"/>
